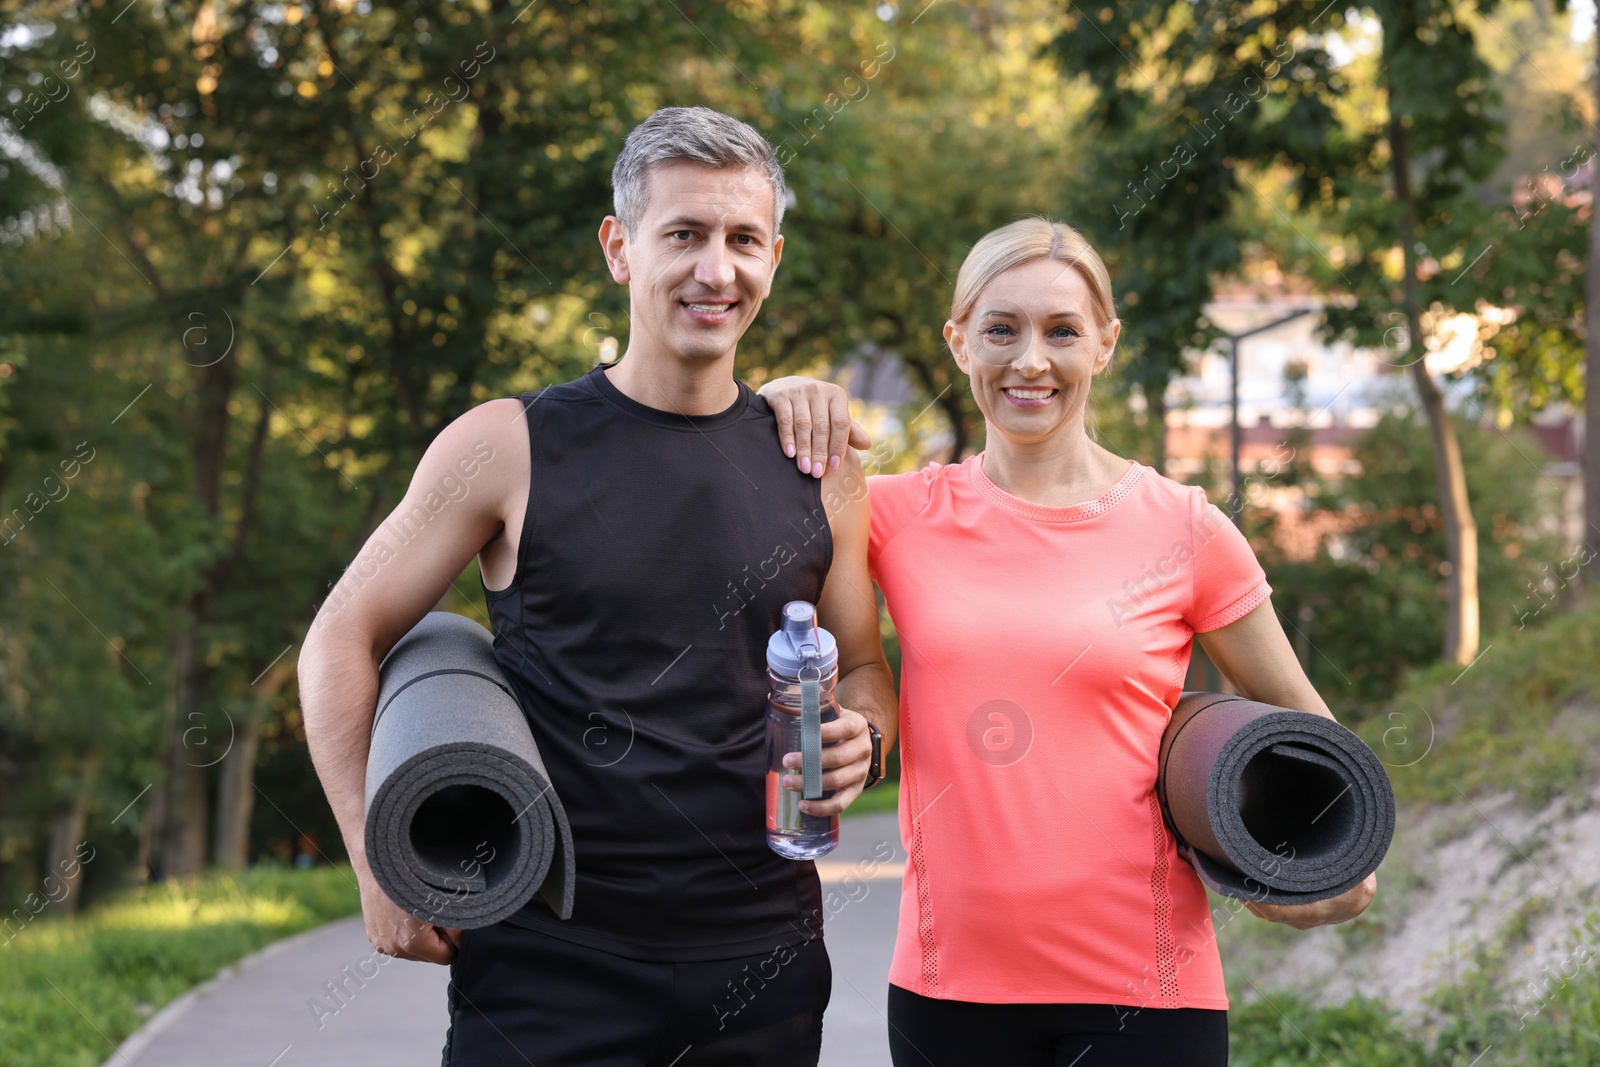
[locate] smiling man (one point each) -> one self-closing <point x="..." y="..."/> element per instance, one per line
<point x="626" y="525"/>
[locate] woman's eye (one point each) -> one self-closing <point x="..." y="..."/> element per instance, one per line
<point x="998" y="331"/>
<point x="1063" y="332"/>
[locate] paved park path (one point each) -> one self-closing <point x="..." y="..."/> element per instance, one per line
<point x="260" y="1014"/>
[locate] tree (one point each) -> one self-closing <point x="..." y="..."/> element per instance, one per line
<point x="1420" y="164"/>
<point x="1186" y="99"/>
<point x="1399" y="180"/>
<point x="1366" y="593"/>
<point x="319" y="231"/>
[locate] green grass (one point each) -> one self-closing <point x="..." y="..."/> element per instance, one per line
<point x="1521" y="719"/>
<point x="1558" y="1027"/>
<point x="1284" y="1032"/>
<point x="71" y="988"/>
<point x="885" y="796"/>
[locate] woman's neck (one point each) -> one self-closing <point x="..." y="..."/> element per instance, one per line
<point x="1066" y="468"/>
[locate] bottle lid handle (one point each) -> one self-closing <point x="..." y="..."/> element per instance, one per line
<point x="811" y="737"/>
<point x="800" y="627"/>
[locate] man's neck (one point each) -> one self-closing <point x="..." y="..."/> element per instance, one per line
<point x="670" y="383"/>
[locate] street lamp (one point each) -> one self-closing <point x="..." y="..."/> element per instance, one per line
<point x="1236" y="504"/>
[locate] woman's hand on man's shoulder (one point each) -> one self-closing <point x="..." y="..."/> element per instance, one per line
<point x="814" y="423"/>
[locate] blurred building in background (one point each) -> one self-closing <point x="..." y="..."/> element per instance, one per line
<point x="1289" y="379"/>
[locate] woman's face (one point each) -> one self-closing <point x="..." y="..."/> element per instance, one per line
<point x="1031" y="346"/>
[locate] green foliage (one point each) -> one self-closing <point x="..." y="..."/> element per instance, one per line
<point x="1516" y="721"/>
<point x="1281" y="1031"/>
<point x="1558" y="1026"/>
<point x="1186" y="99"/>
<point x="1551" y="1021"/>
<point x="1368" y="604"/>
<point x="318" y="233"/>
<point x="883" y="797"/>
<point x="121" y="962"/>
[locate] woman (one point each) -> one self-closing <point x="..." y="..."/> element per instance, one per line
<point x="1046" y="592"/>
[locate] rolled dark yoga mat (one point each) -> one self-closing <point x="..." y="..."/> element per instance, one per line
<point x="1271" y="805"/>
<point x="462" y="825"/>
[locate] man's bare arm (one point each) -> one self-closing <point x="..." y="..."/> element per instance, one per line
<point x="453" y="507"/>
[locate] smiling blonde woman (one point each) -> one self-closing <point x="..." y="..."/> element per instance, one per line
<point x="1047" y="593"/>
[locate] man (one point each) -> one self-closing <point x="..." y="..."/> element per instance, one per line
<point x="638" y="531"/>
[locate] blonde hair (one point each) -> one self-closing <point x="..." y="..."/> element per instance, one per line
<point x="1022" y="242"/>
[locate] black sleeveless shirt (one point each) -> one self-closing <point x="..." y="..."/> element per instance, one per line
<point x="656" y="555"/>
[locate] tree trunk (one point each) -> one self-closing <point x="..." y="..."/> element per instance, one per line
<point x="64" y="864"/>
<point x="1591" y="392"/>
<point x="1455" y="510"/>
<point x="236" y="789"/>
<point x="1155" y="408"/>
<point x="236" y="797"/>
<point x="180" y="845"/>
<point x="956" y="414"/>
<point x="181" y="842"/>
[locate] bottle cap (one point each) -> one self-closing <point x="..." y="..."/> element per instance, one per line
<point x="801" y="642"/>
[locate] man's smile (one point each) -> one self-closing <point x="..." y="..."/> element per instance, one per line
<point x="710" y="312"/>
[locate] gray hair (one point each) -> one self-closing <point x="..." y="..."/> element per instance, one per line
<point x="699" y="135"/>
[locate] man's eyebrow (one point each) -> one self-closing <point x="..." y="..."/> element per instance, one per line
<point x="692" y="222"/>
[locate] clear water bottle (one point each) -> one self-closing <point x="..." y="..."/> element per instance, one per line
<point x="802" y="667"/>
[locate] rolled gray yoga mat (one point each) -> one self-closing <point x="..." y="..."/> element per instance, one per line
<point x="462" y="825"/>
<point x="1271" y="805"/>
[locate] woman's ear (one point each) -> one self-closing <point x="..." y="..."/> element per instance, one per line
<point x="1108" y="344"/>
<point x="957" y="342"/>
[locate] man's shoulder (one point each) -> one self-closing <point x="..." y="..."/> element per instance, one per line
<point x="574" y="389"/>
<point x="512" y="411"/>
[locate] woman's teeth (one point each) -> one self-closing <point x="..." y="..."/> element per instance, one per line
<point x="1030" y="394"/>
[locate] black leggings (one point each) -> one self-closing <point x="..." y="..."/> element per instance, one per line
<point x="924" y="1032"/>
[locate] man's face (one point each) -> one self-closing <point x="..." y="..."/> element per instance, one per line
<point x="701" y="260"/>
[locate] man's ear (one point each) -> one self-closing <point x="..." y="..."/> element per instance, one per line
<point x="777" y="257"/>
<point x="614" y="243"/>
<point x="958" y="346"/>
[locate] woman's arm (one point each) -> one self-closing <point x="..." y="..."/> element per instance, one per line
<point x="1254" y="654"/>
<point x="815" y="414"/>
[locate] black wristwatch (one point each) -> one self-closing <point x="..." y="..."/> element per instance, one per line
<point x="875" y="769"/>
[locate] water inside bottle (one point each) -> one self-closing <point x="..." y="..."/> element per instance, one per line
<point x="791" y="832"/>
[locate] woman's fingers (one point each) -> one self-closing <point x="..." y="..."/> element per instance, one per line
<point x="784" y="411"/>
<point x="821" y="431"/>
<point x="801" y="418"/>
<point x="841" y="427"/>
<point x="814" y="423"/>
<point x="1341" y="908"/>
<point x="858" y="436"/>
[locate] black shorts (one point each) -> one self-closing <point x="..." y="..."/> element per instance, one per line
<point x="925" y="1032"/>
<point x="520" y="997"/>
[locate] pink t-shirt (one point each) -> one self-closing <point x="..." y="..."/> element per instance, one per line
<point x="1043" y="649"/>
